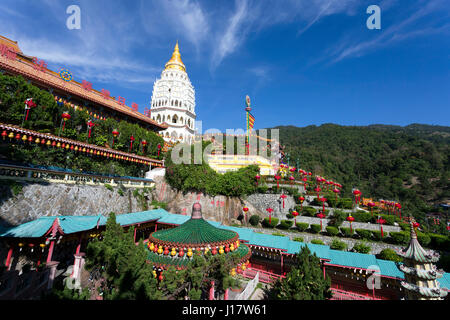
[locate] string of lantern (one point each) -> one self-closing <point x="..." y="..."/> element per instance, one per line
<point x="49" y="140"/>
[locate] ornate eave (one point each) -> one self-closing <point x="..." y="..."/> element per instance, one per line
<point x="423" y="274"/>
<point x="426" y="292"/>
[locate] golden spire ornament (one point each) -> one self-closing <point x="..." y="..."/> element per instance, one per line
<point x="175" y="62"/>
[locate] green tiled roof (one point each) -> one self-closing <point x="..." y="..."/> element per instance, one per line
<point x="194" y="231"/>
<point x="176" y="261"/>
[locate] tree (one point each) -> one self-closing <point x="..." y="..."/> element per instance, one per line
<point x="195" y="280"/>
<point x="122" y="264"/>
<point x="304" y="282"/>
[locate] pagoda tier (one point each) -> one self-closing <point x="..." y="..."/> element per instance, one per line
<point x="177" y="246"/>
<point x="432" y="293"/>
<point x="420" y="272"/>
<point x="423" y="274"/>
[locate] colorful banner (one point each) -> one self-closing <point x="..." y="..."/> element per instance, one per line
<point x="250" y="121"/>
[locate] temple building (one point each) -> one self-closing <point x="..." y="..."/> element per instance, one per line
<point x="420" y="271"/>
<point x="173" y="101"/>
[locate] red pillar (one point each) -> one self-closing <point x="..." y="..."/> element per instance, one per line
<point x="281" y="263"/>
<point x="323" y="267"/>
<point x="50" y="251"/>
<point x="211" y="291"/>
<point x="156" y="226"/>
<point x="78" y="246"/>
<point x="226" y="295"/>
<point x="8" y="258"/>
<point x="135" y="234"/>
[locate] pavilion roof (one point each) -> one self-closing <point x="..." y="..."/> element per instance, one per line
<point x="194" y="231"/>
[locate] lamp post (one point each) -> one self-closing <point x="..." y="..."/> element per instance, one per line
<point x="301" y="199"/>
<point x="321" y="216"/>
<point x="245" y="209"/>
<point x="295" y="214"/>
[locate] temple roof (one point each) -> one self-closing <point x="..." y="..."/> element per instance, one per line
<point x="415" y="252"/>
<point x="175" y="62"/>
<point x="196" y="231"/>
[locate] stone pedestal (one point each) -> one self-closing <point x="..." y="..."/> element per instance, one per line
<point x="52" y="265"/>
<point x="78" y="265"/>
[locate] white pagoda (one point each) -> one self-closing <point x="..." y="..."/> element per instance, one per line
<point x="173" y="101"/>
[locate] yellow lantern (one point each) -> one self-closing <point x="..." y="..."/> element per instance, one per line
<point x="243" y="267"/>
<point x="37" y="140"/>
<point x="231" y="247"/>
<point x="67" y="146"/>
<point x="48" y="143"/>
<point x="84" y="149"/>
<point x="233" y="272"/>
<point x="152" y="246"/>
<point x="189" y="253"/>
<point x="91" y="151"/>
<point x="76" y="148"/>
<point x="154" y="273"/>
<point x="11" y="135"/>
<point x="221" y="250"/>
<point x="173" y="252"/>
<point x="24" y="137"/>
<point x="160" y="250"/>
<point x="58" y="145"/>
<point x="206" y="250"/>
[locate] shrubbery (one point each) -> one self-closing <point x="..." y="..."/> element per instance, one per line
<point x="361" y="247"/>
<point x="439" y="241"/>
<point x="389" y="254"/>
<point x="286" y="224"/>
<point x="332" y="231"/>
<point x="317" y="241"/>
<point x="272" y="224"/>
<point x="401" y="237"/>
<point x="364" y="234"/>
<point x="346" y="232"/>
<point x="315" y="228"/>
<point x="298" y="239"/>
<point x="338" y="245"/>
<point x="302" y="226"/>
<point x="254" y="220"/>
<point x="376" y="234"/>
<point x="423" y="238"/>
<point x="309" y="211"/>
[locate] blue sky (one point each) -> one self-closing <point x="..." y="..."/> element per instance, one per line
<point x="302" y="62"/>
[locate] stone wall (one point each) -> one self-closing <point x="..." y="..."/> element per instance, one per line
<point x="37" y="200"/>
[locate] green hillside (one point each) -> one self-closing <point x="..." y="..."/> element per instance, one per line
<point x="410" y="164"/>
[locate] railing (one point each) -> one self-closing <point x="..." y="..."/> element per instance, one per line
<point x="16" y="172"/>
<point x="251" y="285"/>
<point x="264" y="276"/>
<point x="346" y="295"/>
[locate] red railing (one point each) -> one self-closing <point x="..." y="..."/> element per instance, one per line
<point x="264" y="276"/>
<point x="346" y="295"/>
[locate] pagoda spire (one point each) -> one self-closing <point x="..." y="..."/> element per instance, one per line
<point x="420" y="272"/>
<point x="175" y="61"/>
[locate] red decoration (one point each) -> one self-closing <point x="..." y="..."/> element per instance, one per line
<point x="159" y="148"/>
<point x="283" y="196"/>
<point x="131" y="142"/>
<point x="115" y="133"/>
<point x="65" y="116"/>
<point x="90" y="125"/>
<point x="257" y="177"/>
<point x="350" y="219"/>
<point x="321" y="216"/>
<point x="134" y="106"/>
<point x="121" y="100"/>
<point x="86" y="85"/>
<point x="270" y="210"/>
<point x="29" y="103"/>
<point x="295" y="214"/>
<point x="381" y="221"/>
<point x="105" y="94"/>
<point x="277" y="177"/>
<point x="371" y="205"/>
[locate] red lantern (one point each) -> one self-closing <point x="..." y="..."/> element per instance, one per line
<point x="301" y="199"/>
<point x="371" y="205"/>
<point x="257" y="177"/>
<point x="90" y="125"/>
<point x="65" y="116"/>
<point x="295" y="214"/>
<point x="30" y="139"/>
<point x="17" y="137"/>
<point x="4" y="134"/>
<point x="29" y="103"/>
<point x="214" y="251"/>
<point x="399" y="207"/>
<point x="317" y="189"/>
<point x="350" y="219"/>
<point x="115" y="133"/>
<point x="292" y="179"/>
<point x="323" y="200"/>
<point x="181" y="253"/>
<point x="357" y="195"/>
<point x="43" y="141"/>
<point x="159" y="148"/>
